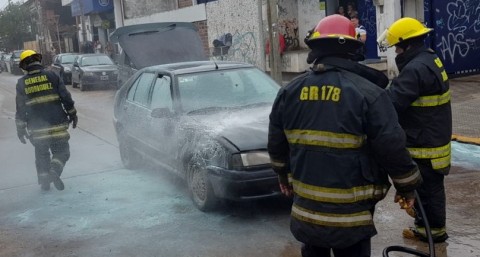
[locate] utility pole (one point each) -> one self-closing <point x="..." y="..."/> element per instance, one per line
<point x="57" y="20"/>
<point x="84" y="31"/>
<point x="275" y="59"/>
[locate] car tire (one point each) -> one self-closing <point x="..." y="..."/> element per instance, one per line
<point x="200" y="188"/>
<point x="130" y="158"/>
<point x="82" y="86"/>
<point x="74" y="85"/>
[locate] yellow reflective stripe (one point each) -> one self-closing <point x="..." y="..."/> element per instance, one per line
<point x="276" y="163"/>
<point x="337" y="195"/>
<point x="72" y="111"/>
<point x="324" y="138"/>
<point x="432" y="100"/>
<point x="410" y="179"/>
<point x="43" y="99"/>
<point x="441" y="163"/>
<point x="363" y="218"/>
<point x="290" y="178"/>
<point x="50" y="129"/>
<point x="58" y="162"/>
<point x="436" y="232"/>
<point x="430" y="152"/>
<point x="21" y="123"/>
<point x="60" y="134"/>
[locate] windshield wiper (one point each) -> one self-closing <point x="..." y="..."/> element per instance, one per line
<point x="207" y="109"/>
<point x="255" y="104"/>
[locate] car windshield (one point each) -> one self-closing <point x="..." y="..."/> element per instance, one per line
<point x="226" y="89"/>
<point x="68" y="59"/>
<point x="96" y="60"/>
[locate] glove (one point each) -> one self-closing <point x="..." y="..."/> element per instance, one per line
<point x="285" y="186"/>
<point x="406" y="200"/>
<point x="73" y="119"/>
<point x="22" y="135"/>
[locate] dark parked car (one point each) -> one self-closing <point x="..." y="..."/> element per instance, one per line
<point x="63" y="64"/>
<point x="174" y="42"/>
<point x="14" y="62"/>
<point x="91" y="70"/>
<point x="205" y="121"/>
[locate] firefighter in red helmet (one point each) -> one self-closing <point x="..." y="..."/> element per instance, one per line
<point x="44" y="110"/>
<point x="333" y="140"/>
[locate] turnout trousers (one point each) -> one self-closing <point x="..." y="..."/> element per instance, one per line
<point x="360" y="249"/>
<point x="52" y="155"/>
<point x="432" y="196"/>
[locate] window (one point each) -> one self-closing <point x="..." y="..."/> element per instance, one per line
<point x="161" y="96"/>
<point x="139" y="91"/>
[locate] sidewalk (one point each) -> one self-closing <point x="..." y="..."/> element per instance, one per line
<point x="466" y="109"/>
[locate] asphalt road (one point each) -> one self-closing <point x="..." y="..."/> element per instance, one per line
<point x="106" y="210"/>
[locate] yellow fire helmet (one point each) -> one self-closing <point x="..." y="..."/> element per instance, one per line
<point x="403" y="29"/>
<point x="28" y="53"/>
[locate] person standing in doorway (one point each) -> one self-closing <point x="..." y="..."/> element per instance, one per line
<point x="360" y="34"/>
<point x="335" y="131"/>
<point x="44" y="109"/>
<point x="421" y="96"/>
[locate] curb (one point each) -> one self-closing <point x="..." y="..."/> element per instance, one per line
<point x="467" y="140"/>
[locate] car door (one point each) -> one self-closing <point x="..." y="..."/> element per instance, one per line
<point x="137" y="113"/>
<point x="162" y="129"/>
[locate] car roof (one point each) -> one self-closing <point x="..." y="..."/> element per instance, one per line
<point x="198" y="66"/>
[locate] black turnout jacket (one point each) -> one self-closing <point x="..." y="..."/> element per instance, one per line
<point x="338" y="135"/>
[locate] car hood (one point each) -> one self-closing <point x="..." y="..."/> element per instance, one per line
<point x="246" y="129"/>
<point x="100" y="68"/>
<point x="160" y="43"/>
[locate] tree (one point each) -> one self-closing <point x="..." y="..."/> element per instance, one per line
<point x="16" y="26"/>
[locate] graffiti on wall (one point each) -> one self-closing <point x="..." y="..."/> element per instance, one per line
<point x="462" y="22"/>
<point x="243" y="48"/>
<point x="289" y="29"/>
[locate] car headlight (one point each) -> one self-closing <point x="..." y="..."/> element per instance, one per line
<point x="90" y="74"/>
<point x="250" y="160"/>
<point x="67" y="69"/>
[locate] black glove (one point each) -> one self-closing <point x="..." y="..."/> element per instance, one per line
<point x="73" y="119"/>
<point x="22" y="135"/>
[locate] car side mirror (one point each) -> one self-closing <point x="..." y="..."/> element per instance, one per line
<point x="75" y="64"/>
<point x="161" y="113"/>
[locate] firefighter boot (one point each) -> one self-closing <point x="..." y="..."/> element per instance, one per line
<point x="416" y="234"/>
<point x="56" y="169"/>
<point x="44" y="181"/>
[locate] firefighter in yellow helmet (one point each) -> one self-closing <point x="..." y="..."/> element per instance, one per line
<point x="421" y="97"/>
<point x="335" y="131"/>
<point x="44" y="110"/>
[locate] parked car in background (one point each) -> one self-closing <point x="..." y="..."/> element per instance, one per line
<point x="205" y="121"/>
<point x="174" y="42"/>
<point x="13" y="63"/>
<point x="63" y="64"/>
<point x="3" y="65"/>
<point x="94" y="70"/>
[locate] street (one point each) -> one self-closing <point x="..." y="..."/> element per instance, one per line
<point x="107" y="210"/>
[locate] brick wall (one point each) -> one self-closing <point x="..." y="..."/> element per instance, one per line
<point x="203" y="32"/>
<point x="184" y="3"/>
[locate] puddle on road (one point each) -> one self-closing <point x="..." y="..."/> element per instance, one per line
<point x="466" y="156"/>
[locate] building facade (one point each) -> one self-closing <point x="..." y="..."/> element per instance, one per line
<point x="456" y="25"/>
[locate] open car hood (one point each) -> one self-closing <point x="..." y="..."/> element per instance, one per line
<point x="160" y="43"/>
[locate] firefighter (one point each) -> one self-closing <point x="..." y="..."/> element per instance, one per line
<point x="421" y="97"/>
<point x="44" y="110"/>
<point x="335" y="132"/>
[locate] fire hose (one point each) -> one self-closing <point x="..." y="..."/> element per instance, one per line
<point x="403" y="249"/>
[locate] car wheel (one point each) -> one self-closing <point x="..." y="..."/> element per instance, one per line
<point x="200" y="188"/>
<point x="82" y="86"/>
<point x="130" y="158"/>
<point x="74" y="85"/>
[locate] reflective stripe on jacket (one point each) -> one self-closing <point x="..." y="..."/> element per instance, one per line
<point x="338" y="134"/>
